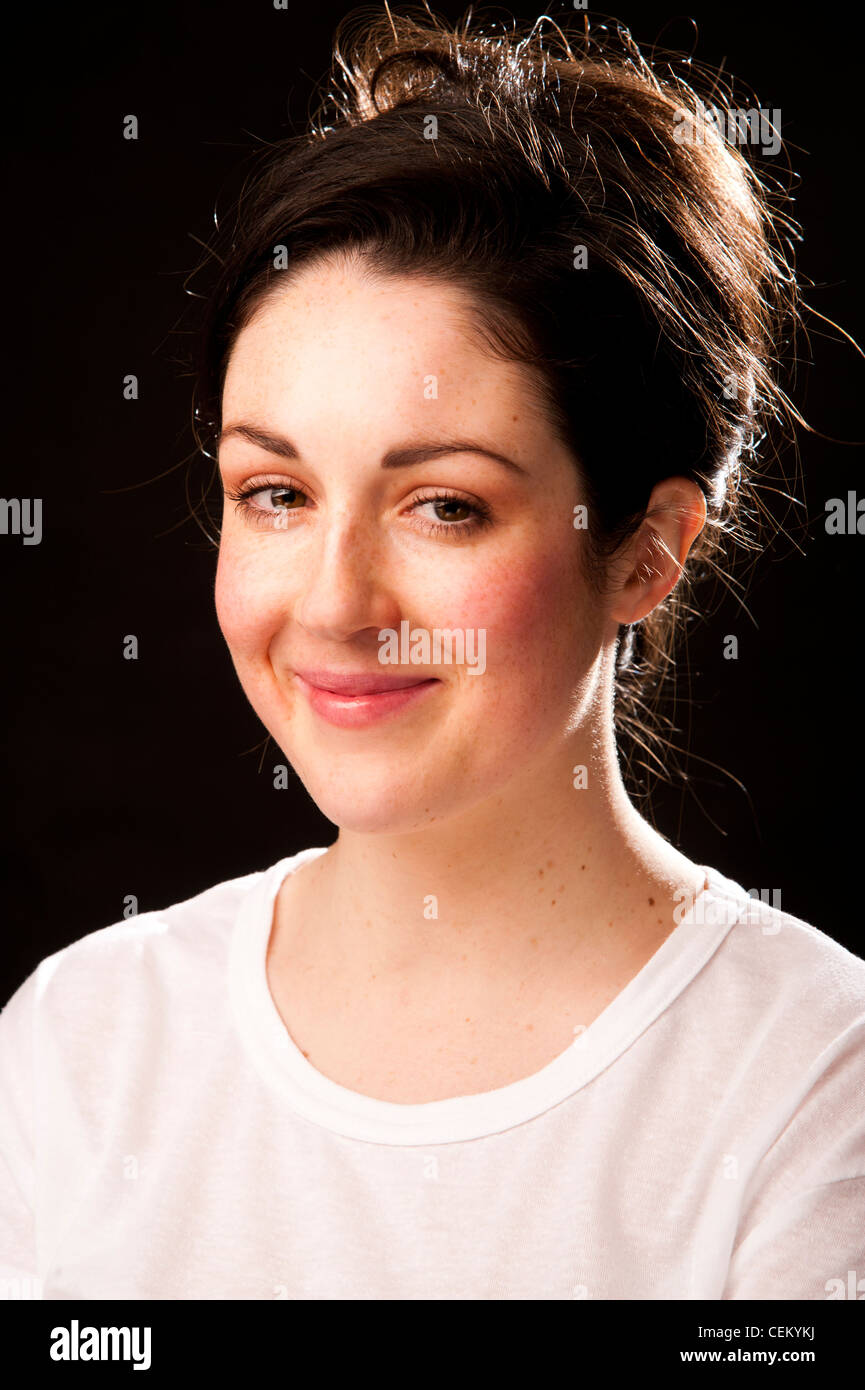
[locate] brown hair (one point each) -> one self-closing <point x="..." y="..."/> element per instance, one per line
<point x="489" y="160"/>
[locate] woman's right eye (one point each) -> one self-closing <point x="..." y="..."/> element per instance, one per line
<point x="267" y="500"/>
<point x="281" y="498"/>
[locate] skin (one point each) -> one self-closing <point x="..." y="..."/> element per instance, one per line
<point x="549" y="899"/>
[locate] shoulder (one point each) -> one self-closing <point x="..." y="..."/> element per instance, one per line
<point x="778" y="1014"/>
<point x="106" y="979"/>
<point x="779" y="1002"/>
<point x="142" y="996"/>
<point x="139" y="950"/>
<point x="783" y="962"/>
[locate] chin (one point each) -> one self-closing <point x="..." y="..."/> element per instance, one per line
<point x="375" y="795"/>
<point x="369" y="813"/>
<point x="380" y="818"/>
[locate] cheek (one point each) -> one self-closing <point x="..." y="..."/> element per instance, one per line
<point x="247" y="606"/>
<point x="543" y="633"/>
<point x="536" y="610"/>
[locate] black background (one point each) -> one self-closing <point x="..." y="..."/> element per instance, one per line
<point x="146" y="777"/>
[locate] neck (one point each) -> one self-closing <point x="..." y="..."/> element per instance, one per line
<point x="540" y="862"/>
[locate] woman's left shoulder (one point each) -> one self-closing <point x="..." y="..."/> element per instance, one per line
<point x="783" y="960"/>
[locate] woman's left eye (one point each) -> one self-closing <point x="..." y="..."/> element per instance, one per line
<point x="452" y="514"/>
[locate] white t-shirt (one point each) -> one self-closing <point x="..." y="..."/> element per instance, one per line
<point x="162" y="1136"/>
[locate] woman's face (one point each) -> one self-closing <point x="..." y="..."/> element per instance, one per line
<point x="344" y="402"/>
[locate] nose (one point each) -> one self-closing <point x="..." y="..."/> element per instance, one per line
<point x="344" y="589"/>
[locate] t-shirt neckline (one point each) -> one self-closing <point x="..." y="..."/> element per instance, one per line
<point x="324" y="1102"/>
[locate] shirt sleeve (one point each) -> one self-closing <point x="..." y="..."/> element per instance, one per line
<point x="18" y="1260"/>
<point x="802" y="1234"/>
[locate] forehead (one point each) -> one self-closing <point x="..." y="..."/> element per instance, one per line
<point x="338" y="339"/>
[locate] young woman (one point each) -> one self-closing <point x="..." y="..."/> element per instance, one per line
<point x="483" y="370"/>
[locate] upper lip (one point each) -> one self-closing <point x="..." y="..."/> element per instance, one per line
<point x="360" y="682"/>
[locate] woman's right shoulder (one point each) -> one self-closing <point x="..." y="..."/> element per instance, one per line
<point x="118" y="1014"/>
<point x="159" y="951"/>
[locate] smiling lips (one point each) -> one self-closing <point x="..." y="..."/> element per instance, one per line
<point x="354" y="700"/>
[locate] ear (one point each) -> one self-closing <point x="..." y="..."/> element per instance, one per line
<point x="653" y="561"/>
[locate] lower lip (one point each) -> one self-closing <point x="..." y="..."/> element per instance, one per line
<point x="359" y="711"/>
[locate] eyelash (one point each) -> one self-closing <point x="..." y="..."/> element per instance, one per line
<point x="258" y="516"/>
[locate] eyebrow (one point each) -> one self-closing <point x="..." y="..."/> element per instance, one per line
<point x="403" y="457"/>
